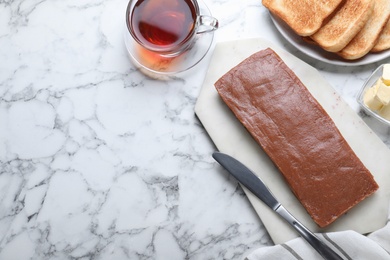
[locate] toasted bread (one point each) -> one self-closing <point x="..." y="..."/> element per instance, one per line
<point x="305" y="17"/>
<point x="344" y="25"/>
<point x="383" y="42"/>
<point x="366" y="39"/>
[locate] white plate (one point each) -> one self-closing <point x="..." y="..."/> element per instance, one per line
<point x="320" y="54"/>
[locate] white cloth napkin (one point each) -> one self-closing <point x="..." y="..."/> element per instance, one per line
<point x="348" y="244"/>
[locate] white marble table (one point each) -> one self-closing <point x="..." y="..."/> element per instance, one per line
<point x="99" y="161"/>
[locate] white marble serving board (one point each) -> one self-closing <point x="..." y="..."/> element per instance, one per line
<point x="232" y="138"/>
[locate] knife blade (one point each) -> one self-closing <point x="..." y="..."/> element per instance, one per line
<point x="247" y="178"/>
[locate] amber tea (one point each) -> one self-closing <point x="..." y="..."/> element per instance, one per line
<point x="163" y="25"/>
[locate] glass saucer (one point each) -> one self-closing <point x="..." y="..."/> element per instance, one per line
<point x="150" y="62"/>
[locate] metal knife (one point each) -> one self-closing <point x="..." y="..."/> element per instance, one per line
<point x="247" y="178"/>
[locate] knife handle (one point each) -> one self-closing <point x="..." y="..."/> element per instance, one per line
<point x="325" y="251"/>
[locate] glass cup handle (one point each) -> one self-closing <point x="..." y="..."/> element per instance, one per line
<point x="207" y="24"/>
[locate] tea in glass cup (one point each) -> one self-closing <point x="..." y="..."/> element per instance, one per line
<point x="167" y="27"/>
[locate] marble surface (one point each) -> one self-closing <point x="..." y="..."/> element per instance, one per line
<point x="99" y="161"/>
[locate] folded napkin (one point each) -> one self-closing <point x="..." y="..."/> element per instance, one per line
<point x="348" y="244"/>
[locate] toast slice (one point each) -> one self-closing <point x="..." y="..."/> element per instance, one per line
<point x="366" y="39"/>
<point x="305" y="17"/>
<point x="344" y="25"/>
<point x="383" y="42"/>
